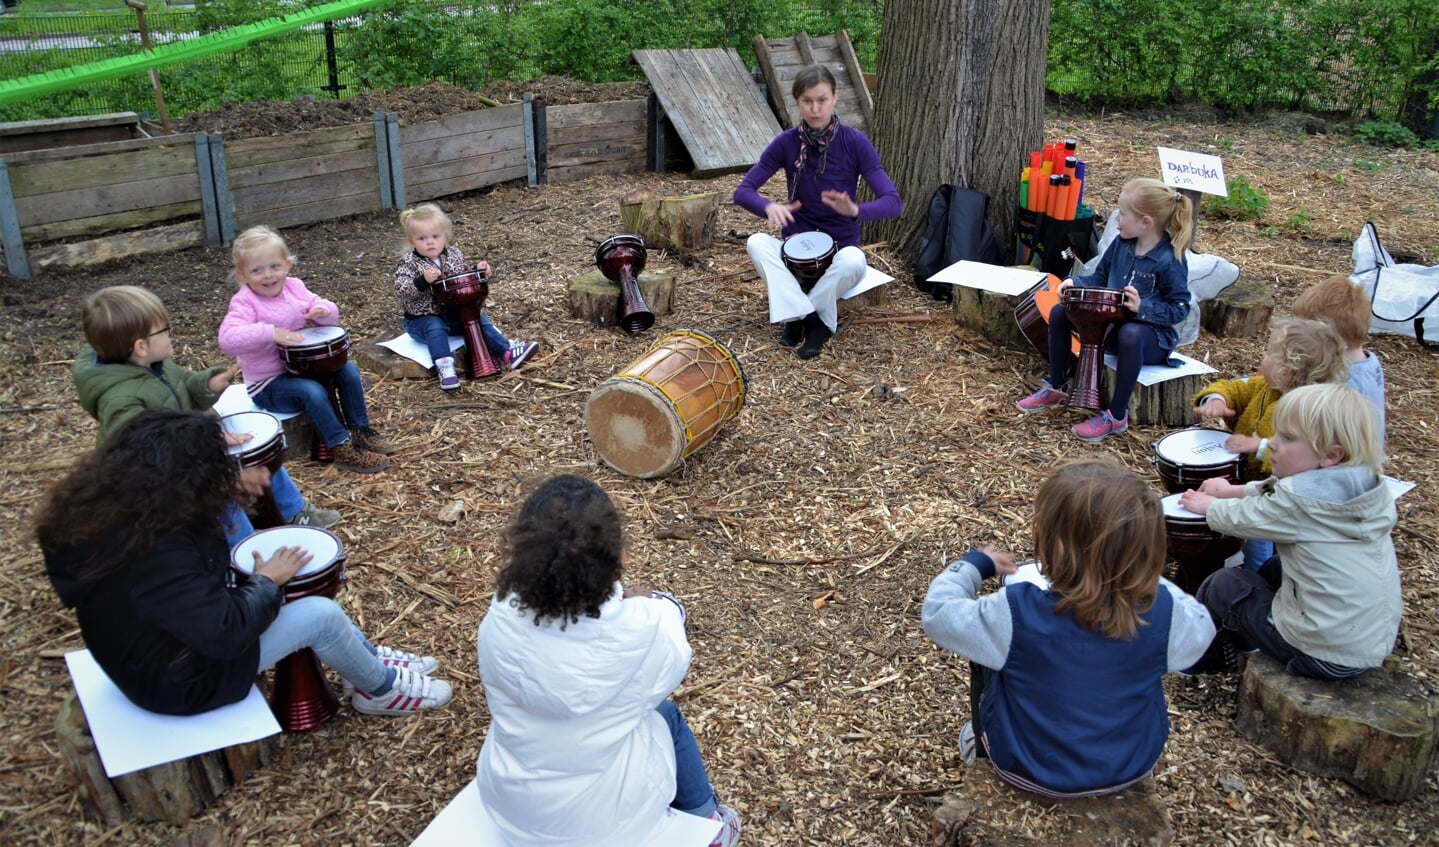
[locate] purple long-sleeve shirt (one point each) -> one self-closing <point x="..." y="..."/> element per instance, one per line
<point x="850" y="156"/>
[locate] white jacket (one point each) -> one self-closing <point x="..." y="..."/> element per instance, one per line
<point x="1339" y="599"/>
<point x="576" y="753"/>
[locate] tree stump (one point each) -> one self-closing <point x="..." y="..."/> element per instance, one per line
<point x="1378" y="732"/>
<point x="863" y="300"/>
<point x="992" y="813"/>
<point x="173" y="792"/>
<point x="1166" y="403"/>
<point x="991" y="314"/>
<point x="382" y="361"/>
<point x="593" y="297"/>
<point x="679" y="223"/>
<point x="1241" y="310"/>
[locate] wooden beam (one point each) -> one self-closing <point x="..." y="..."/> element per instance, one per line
<point x="856" y="78"/>
<point x="10" y="237"/>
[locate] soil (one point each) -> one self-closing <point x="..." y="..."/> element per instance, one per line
<point x="802" y="539"/>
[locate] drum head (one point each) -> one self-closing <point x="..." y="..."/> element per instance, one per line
<point x="323" y="545"/>
<point x="261" y="426"/>
<point x="1193" y="447"/>
<point x="322" y="334"/>
<point x="635" y="428"/>
<point x="807" y="246"/>
<point x="1175" y="512"/>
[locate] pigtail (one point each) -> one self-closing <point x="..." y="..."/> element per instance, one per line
<point x="1180" y="225"/>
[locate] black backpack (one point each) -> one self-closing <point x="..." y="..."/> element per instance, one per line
<point x="957" y="230"/>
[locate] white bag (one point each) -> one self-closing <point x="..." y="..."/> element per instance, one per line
<point x="1401" y="297"/>
<point x="1208" y="275"/>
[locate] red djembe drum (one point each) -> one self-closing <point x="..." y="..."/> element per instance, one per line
<point x="621" y="258"/>
<point x="301" y="698"/>
<point x="1186" y="458"/>
<point x="320" y="356"/>
<point x="1093" y="311"/>
<point x="1197" y="550"/>
<point x="466" y="293"/>
<point x="266" y="448"/>
<point x="808" y="255"/>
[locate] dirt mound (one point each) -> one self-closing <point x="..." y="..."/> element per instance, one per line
<point x="414" y="105"/>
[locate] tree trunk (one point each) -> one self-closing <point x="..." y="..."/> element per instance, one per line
<point x="961" y="100"/>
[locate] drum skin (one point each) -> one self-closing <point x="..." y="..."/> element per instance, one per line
<point x="808" y="255"/>
<point x="665" y="405"/>
<point x="266" y="448"/>
<point x="325" y="351"/>
<point x="1186" y="458"/>
<point x="322" y="577"/>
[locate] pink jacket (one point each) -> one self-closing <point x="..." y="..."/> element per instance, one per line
<point x="248" y="330"/>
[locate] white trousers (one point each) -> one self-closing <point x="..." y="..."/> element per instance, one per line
<point x="787" y="302"/>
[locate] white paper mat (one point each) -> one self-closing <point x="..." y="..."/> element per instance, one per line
<point x="408" y="347"/>
<point x="873" y="278"/>
<point x="997" y="278"/>
<point x="236" y="399"/>
<point x="128" y="738"/>
<point x="1150" y="374"/>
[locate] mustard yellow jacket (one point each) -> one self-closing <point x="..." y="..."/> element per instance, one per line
<point x="1254" y="399"/>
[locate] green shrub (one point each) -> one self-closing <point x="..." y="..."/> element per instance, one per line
<point x="1244" y="203"/>
<point x="1386" y="134"/>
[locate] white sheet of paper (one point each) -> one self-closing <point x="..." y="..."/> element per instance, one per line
<point x="1011" y="282"/>
<point x="873" y="278"/>
<point x="128" y="738"/>
<point x="1150" y="374"/>
<point x="1028" y="572"/>
<point x="408" y="347"/>
<point x="465" y="821"/>
<point x="236" y="399"/>
<point x="1398" y="487"/>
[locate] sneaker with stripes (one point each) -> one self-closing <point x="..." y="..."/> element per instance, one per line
<point x="392" y="658"/>
<point x="410" y="693"/>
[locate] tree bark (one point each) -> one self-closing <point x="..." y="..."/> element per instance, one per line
<point x="961" y="100"/>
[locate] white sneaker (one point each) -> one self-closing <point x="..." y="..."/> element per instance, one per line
<point x="410" y="693"/>
<point x="446" y="369"/>
<point x="392" y="658"/>
<point x="729" y="833"/>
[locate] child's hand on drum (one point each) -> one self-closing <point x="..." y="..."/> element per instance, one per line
<point x="317" y="312"/>
<point x="432" y="274"/>
<point x="1221" y="489"/>
<point x="1196" y="501"/>
<point x="1237" y="443"/>
<point x="483" y="268"/>
<point x="780" y="215"/>
<point x="840" y="202"/>
<point x="1131" y="298"/>
<point x="1214" y="407"/>
<point x="638" y="591"/>
<point x="255" y="480"/>
<point x="287" y="336"/>
<point x="282" y="567"/>
<point x="1004" y="563"/>
<point x="233" y="439"/>
<point x="1065" y="283"/>
<point x="220" y="381"/>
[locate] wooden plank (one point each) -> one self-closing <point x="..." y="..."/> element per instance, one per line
<point x="466" y="123"/>
<point x="32" y="179"/>
<point x="464" y="168"/>
<point x="575" y="173"/>
<point x="723" y="120"/>
<point x="309" y="167"/>
<point x="208" y="213"/>
<point x="789" y="56"/>
<point x="586" y="114"/>
<point x="597" y="151"/>
<point x="397" y="173"/>
<point x="459" y="146"/>
<point x="595" y="132"/>
<point x="307" y="213"/>
<point x="224" y="204"/>
<point x="806" y="51"/>
<point x="10" y="236"/>
<point x="255" y="151"/>
<point x="110" y="119"/>
<point x="29" y="157"/>
<point x="296" y="192"/>
<point x="433" y="190"/>
<point x="108" y="199"/>
<point x="531" y="154"/>
<point x="95" y="224"/>
<point x="163" y="239"/>
<point x="766" y="55"/>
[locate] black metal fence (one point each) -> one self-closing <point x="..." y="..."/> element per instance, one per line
<point x="298" y="63"/>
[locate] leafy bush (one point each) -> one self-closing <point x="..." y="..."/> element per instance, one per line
<point x="1386" y="134"/>
<point x="1244" y="203"/>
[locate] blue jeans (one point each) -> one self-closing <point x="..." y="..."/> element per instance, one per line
<point x="434" y="332"/>
<point x="236" y="524"/>
<point x="320" y="624"/>
<point x="693" y="793"/>
<point x="286" y="393"/>
<point x="287" y="497"/>
<point x="1256" y="552"/>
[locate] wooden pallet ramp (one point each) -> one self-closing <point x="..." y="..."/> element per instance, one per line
<point x="781" y="60"/>
<point x="714" y="105"/>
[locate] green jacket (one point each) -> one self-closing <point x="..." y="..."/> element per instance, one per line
<point x="115" y="393"/>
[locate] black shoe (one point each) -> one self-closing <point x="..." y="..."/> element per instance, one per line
<point x="815" y="335"/>
<point x="793" y="334"/>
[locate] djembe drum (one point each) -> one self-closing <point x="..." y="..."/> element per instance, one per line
<point x="1093" y="311"/>
<point x="621" y="258"/>
<point x="323" y="353"/>
<point x="1197" y="550"/>
<point x="301" y="698"/>
<point x="266" y="448"/>
<point x="808" y="255"/>
<point x="466" y="293"/>
<point x="1188" y="457"/>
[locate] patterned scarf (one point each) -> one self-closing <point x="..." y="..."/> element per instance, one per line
<point x="817" y="141"/>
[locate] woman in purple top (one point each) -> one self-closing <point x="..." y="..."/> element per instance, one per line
<point x="822" y="161"/>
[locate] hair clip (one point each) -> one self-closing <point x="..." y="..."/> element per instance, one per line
<point x="1178" y="196"/>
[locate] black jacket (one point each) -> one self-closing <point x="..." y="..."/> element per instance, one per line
<point x="176" y="629"/>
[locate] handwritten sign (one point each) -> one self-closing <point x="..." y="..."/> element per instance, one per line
<point x="1193" y="171"/>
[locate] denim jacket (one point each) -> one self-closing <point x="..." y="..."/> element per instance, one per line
<point x="1161" y="279"/>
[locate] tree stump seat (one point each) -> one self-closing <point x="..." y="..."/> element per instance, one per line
<point x="595" y="298"/>
<point x="1378" y="732"/>
<point x="384" y="362"/>
<point x="1164" y="403"/>
<point x="989" y="812"/>
<point x="681" y="223"/>
<point x="173" y="792"/>
<point x="1240" y="310"/>
<point x="991" y="314"/>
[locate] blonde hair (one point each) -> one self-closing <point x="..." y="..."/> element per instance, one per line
<point x="427" y="212"/>
<point x="1167" y="207"/>
<point x="257" y="238"/>
<point x="1340" y="303"/>
<point x="1332" y="415"/>
<point x="1099" y="530"/>
<point x="115" y="318"/>
<point x="1306" y="353"/>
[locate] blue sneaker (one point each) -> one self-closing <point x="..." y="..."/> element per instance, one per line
<point x="519" y="353"/>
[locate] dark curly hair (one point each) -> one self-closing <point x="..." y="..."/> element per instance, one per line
<point x="564" y="551"/>
<point x="163" y="470"/>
